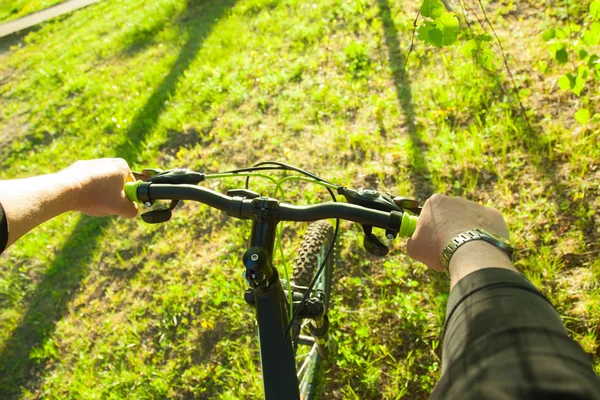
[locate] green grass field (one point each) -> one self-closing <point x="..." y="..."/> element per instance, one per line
<point x="110" y="308"/>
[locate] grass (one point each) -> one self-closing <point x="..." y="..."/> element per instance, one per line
<point x="14" y="9"/>
<point x="107" y="308"/>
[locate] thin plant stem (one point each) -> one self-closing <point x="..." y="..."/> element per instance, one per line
<point x="505" y="60"/>
<point x="412" y="42"/>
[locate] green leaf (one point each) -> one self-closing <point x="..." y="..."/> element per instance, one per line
<point x="594" y="62"/>
<point x="574" y="27"/>
<point x="566" y="82"/>
<point x="549" y="34"/>
<point x="583" y="72"/>
<point x="423" y="32"/>
<point x="432" y="8"/>
<point x="448" y="24"/>
<point x="431" y="34"/>
<point x="583" y="54"/>
<point x="363" y="332"/>
<point x="591" y="37"/>
<point x="470" y="48"/>
<point x="481" y="51"/>
<point x="579" y="85"/>
<point x="595" y="9"/>
<point x="561" y="33"/>
<point x="582" y="115"/>
<point x="486" y="58"/>
<point x="562" y="56"/>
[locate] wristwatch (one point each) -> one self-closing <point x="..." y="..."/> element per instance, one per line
<point x="475" y="234"/>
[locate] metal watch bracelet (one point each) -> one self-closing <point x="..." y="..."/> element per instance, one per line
<point x="474" y="234"/>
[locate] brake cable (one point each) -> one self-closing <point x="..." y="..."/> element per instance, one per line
<point x="279" y="166"/>
<point x="292" y="168"/>
<point x="328" y="185"/>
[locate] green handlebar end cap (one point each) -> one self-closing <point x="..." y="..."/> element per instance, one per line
<point x="409" y="224"/>
<point x="131" y="190"/>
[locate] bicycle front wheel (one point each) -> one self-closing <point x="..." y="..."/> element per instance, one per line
<point x="313" y="349"/>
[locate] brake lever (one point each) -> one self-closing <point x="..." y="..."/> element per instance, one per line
<point x="146" y="174"/>
<point x="406" y="203"/>
<point x="177" y="176"/>
<point x="173" y="176"/>
<point x="372" y="244"/>
<point x="371" y="198"/>
<point x="159" y="215"/>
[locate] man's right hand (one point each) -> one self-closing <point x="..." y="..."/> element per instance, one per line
<point x="442" y="219"/>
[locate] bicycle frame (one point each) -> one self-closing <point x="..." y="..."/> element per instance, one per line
<point x="272" y="306"/>
<point x="272" y="309"/>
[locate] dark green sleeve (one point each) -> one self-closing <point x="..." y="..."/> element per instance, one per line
<point x="504" y="340"/>
<point x="3" y="230"/>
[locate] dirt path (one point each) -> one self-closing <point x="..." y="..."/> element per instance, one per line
<point x="31" y="20"/>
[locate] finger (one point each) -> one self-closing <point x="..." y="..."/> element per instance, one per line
<point x="128" y="210"/>
<point x="131" y="211"/>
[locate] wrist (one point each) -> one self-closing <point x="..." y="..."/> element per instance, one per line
<point x="476" y="255"/>
<point x="70" y="190"/>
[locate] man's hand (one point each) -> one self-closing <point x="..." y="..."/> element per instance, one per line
<point x="98" y="186"/>
<point x="442" y="219"/>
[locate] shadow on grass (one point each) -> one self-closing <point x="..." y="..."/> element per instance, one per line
<point x="15" y="39"/>
<point x="421" y="176"/>
<point x="142" y="38"/>
<point x="48" y="304"/>
<point x="6" y="43"/>
<point x="570" y="212"/>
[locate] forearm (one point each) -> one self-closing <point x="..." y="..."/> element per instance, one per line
<point x="503" y="339"/>
<point x="30" y="202"/>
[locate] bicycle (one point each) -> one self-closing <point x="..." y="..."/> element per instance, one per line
<point x="293" y="340"/>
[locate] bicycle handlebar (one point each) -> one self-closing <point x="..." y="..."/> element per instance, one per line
<point x="395" y="221"/>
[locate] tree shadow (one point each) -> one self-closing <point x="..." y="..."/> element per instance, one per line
<point x="571" y="211"/>
<point x="15" y="39"/>
<point x="532" y="142"/>
<point x="142" y="38"/>
<point x="420" y="176"/>
<point x="19" y="368"/>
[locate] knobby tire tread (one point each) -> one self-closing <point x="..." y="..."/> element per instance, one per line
<point x="306" y="262"/>
<point x="306" y="265"/>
